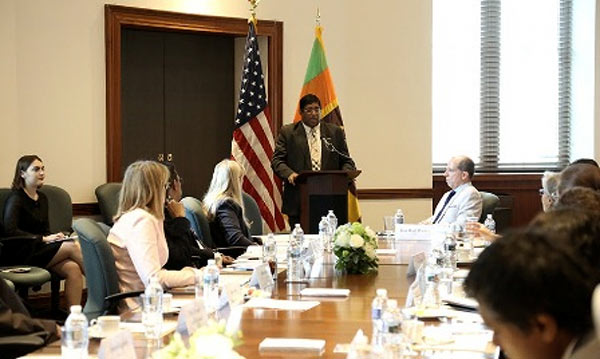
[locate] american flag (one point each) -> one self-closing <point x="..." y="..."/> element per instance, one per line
<point x="252" y="145"/>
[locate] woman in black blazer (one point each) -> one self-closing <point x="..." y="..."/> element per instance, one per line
<point x="224" y="207"/>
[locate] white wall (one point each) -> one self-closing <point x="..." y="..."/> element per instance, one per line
<point x="379" y="53"/>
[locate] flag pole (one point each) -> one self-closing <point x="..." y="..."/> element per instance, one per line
<point x="253" y="6"/>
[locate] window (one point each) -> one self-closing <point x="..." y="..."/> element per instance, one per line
<point x="502" y="89"/>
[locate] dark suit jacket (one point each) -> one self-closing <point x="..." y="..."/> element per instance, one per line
<point x="183" y="244"/>
<point x="228" y="227"/>
<point x="292" y="155"/>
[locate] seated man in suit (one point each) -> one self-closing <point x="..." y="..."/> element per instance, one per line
<point x="534" y="291"/>
<point x="463" y="200"/>
<point x="307" y="145"/>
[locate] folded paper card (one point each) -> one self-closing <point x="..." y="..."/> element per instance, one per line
<point x="325" y="292"/>
<point x="316" y="346"/>
<point x="278" y="304"/>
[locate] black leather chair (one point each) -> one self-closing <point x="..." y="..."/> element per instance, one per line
<point x="490" y="202"/>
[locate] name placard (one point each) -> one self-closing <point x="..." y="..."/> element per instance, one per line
<point x="117" y="346"/>
<point x="262" y="276"/>
<point x="234" y="294"/>
<point x="192" y="316"/>
<point x="418" y="232"/>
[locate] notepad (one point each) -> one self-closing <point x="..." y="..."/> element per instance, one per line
<point x="316" y="346"/>
<point x="325" y="292"/>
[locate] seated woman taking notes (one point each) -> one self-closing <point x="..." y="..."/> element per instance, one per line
<point x="224" y="206"/>
<point x="137" y="239"/>
<point x="26" y="214"/>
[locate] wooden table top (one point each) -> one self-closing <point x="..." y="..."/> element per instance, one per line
<point x="335" y="320"/>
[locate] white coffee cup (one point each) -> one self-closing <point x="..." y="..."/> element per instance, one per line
<point x="166" y="302"/>
<point x="107" y="324"/>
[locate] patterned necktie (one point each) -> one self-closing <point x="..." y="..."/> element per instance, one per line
<point x="314" y="151"/>
<point x="439" y="215"/>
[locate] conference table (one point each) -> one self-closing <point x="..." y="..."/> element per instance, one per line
<point x="335" y="320"/>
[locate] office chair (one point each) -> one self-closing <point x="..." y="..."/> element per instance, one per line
<point x="252" y="213"/>
<point x="103" y="293"/>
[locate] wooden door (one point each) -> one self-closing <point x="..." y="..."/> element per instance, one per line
<point x="178" y="101"/>
<point x="199" y="105"/>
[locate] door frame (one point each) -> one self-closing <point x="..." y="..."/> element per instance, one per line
<point x="118" y="17"/>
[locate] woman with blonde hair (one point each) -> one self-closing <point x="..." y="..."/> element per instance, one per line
<point x="137" y="237"/>
<point x="224" y="206"/>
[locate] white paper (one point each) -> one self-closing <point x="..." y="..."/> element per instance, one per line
<point x="292" y="344"/>
<point x="325" y="292"/>
<point x="117" y="346"/>
<point x="279" y="304"/>
<point x="386" y="252"/>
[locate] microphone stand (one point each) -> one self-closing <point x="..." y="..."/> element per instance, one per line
<point x="332" y="148"/>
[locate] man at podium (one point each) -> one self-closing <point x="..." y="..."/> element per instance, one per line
<point x="308" y="145"/>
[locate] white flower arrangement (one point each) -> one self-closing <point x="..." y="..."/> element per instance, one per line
<point x="354" y="246"/>
<point x="208" y="342"/>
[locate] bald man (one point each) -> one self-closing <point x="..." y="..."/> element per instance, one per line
<point x="463" y="200"/>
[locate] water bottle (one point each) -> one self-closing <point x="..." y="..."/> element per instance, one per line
<point x="392" y="325"/>
<point x="152" y="315"/>
<point x="431" y="298"/>
<point x="490" y="224"/>
<point x="325" y="234"/>
<point x="298" y="234"/>
<point x="377" y="307"/>
<point x="210" y="287"/>
<point x="398" y="221"/>
<point x="333" y="221"/>
<point x="74" y="343"/>
<point x="450" y="251"/>
<point x="270" y="254"/>
<point x="295" y="271"/>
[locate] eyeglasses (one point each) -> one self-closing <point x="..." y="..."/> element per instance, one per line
<point x="311" y="110"/>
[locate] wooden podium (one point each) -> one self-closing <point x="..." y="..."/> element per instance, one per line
<point x="321" y="191"/>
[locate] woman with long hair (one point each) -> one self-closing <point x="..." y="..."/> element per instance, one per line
<point x="225" y="208"/>
<point x="137" y="238"/>
<point x="26" y="214"/>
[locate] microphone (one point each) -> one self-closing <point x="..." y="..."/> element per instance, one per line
<point x="330" y="146"/>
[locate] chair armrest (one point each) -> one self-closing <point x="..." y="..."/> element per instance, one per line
<point x="21" y="239"/>
<point x="113" y="300"/>
<point x="234" y="251"/>
<point x="119" y="296"/>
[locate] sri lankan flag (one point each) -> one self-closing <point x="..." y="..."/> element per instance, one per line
<point x="318" y="81"/>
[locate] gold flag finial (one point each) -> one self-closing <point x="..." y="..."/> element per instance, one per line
<point x="318" y="19"/>
<point x="253" y="5"/>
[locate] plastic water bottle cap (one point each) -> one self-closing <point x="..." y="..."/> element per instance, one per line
<point x="489" y="216"/>
<point x="381" y="292"/>
<point x="210" y="262"/>
<point x="75" y="309"/>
